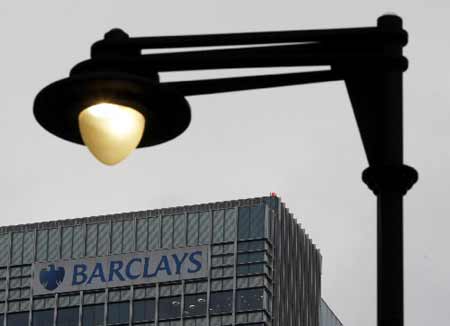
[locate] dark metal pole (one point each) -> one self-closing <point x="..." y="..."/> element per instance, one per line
<point x="389" y="179"/>
<point x="390" y="199"/>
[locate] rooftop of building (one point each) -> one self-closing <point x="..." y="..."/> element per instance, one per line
<point x="138" y="214"/>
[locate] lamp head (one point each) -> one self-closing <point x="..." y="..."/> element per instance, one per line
<point x="138" y="112"/>
<point x="111" y="131"/>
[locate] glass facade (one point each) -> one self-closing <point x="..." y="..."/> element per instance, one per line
<point x="68" y="316"/>
<point x="17" y="319"/>
<point x="118" y="313"/>
<point x="169" y="308"/>
<point x="143" y="311"/>
<point x="241" y="287"/>
<point x="221" y="302"/>
<point x="195" y="305"/>
<point x="250" y="299"/>
<point x="93" y="315"/>
<point x="42" y="317"/>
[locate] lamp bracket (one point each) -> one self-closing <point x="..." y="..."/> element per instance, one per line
<point x="390" y="178"/>
<point x="117" y="40"/>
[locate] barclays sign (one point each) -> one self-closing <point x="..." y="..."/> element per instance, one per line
<point x="120" y="270"/>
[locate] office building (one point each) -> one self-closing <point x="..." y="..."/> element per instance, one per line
<point x="242" y="262"/>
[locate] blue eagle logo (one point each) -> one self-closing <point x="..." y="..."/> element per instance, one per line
<point x="51" y="277"/>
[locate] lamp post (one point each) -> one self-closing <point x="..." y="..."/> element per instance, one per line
<point x="369" y="60"/>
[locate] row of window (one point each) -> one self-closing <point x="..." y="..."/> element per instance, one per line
<point x="145" y="310"/>
<point x="124" y="236"/>
<point x="249" y="252"/>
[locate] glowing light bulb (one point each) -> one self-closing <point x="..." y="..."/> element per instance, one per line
<point x="110" y="131"/>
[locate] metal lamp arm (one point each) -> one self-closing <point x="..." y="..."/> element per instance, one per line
<point x="310" y="48"/>
<point x="222" y="85"/>
<point x="117" y="39"/>
<point x="349" y="54"/>
<point x="316" y="54"/>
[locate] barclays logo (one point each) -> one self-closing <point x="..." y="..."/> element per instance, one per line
<point x="144" y="267"/>
<point x="91" y="273"/>
<point x="51" y="277"/>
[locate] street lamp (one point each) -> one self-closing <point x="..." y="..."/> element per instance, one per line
<point x="115" y="102"/>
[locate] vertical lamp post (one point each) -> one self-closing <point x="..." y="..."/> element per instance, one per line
<point x="115" y="100"/>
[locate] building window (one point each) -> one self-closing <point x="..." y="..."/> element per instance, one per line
<point x="169" y="308"/>
<point x="91" y="239"/>
<point x="249" y="299"/>
<point x="195" y="305"/>
<point x="192" y="226"/>
<point x="43" y="317"/>
<point x="167" y="231"/>
<point x="41" y="249"/>
<point x="144" y="310"/>
<point x="4" y="244"/>
<point x="17" y="319"/>
<point x="128" y="236"/>
<point x="141" y="234"/>
<point x="93" y="315"/>
<point x="203" y="228"/>
<point x="251" y="222"/>
<point x="252" y="257"/>
<point x="67" y="316"/>
<point x="179" y="230"/>
<point x="17" y="248"/>
<point x="118" y="313"/>
<point x="66" y="242"/>
<point x="78" y="241"/>
<point x="250" y="269"/>
<point x="255" y="245"/>
<point x="154" y="234"/>
<point x="218" y="226"/>
<point x="117" y="232"/>
<point x="221" y="302"/>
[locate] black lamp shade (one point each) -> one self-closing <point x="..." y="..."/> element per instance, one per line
<point x="57" y="106"/>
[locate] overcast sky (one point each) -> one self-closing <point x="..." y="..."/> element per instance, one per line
<point x="300" y="142"/>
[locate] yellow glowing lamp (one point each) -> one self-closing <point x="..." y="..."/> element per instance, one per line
<point x="112" y="113"/>
<point x="111" y="131"/>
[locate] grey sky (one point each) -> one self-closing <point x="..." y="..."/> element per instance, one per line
<point x="300" y="142"/>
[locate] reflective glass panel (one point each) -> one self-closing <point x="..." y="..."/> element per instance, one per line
<point x="118" y="313"/>
<point x="251" y="222"/>
<point x="17" y="319"/>
<point x="144" y="310"/>
<point x="195" y="305"/>
<point x="250" y="269"/>
<point x="93" y="315"/>
<point x="251" y="257"/>
<point x="67" y="317"/>
<point x="243" y="223"/>
<point x="221" y="302"/>
<point x="256" y="245"/>
<point x="256" y="268"/>
<point x="249" y="299"/>
<point x="169" y="308"/>
<point x="43" y="317"/>
<point x="257" y="218"/>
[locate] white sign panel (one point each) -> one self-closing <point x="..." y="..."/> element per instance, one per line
<point x="120" y="270"/>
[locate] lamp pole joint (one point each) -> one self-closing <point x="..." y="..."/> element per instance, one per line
<point x="390" y="178"/>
